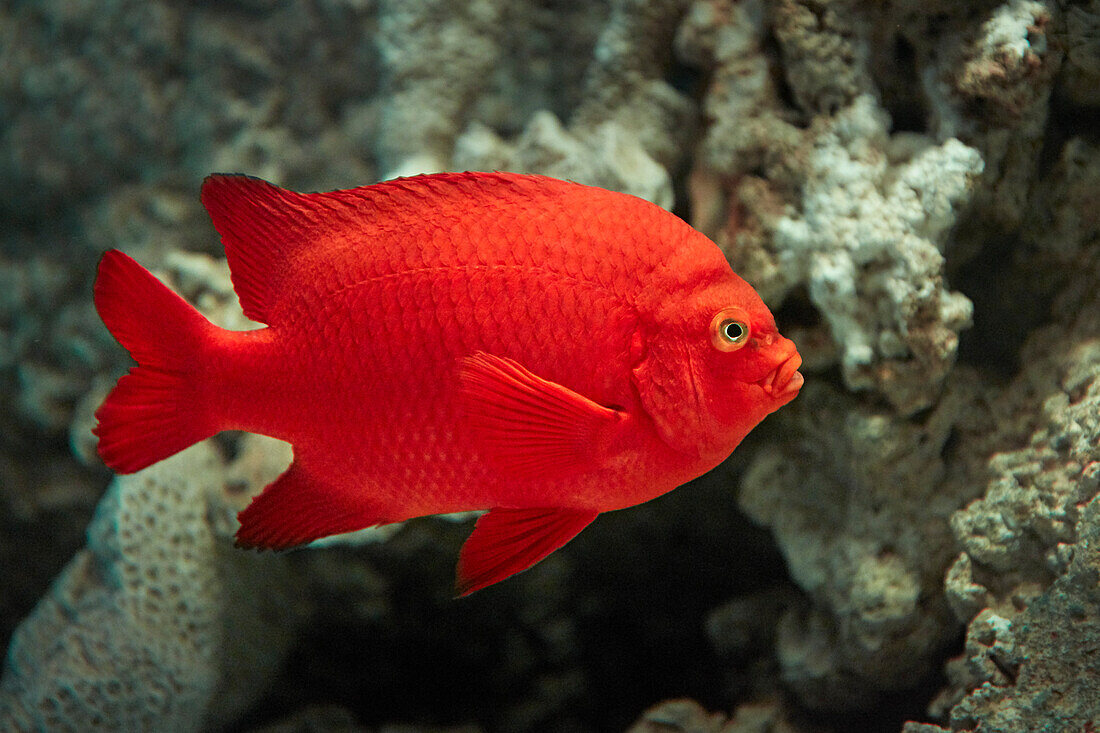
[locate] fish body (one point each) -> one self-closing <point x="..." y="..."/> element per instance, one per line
<point x="539" y="349"/>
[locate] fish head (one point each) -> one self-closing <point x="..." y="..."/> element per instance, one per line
<point x="717" y="366"/>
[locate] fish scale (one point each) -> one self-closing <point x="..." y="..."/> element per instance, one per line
<point x="539" y="349"/>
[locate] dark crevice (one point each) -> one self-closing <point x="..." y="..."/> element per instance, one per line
<point x="797" y="311"/>
<point x="568" y="634"/>
<point x="1006" y="310"/>
<point x="902" y="96"/>
<point x="774" y="53"/>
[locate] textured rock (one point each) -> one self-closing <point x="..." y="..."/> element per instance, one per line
<point x="609" y="156"/>
<point x="1080" y="81"/>
<point x="1038" y="669"/>
<point x="871" y="212"/>
<point x="625" y="84"/>
<point x="50" y="344"/>
<point x="989" y="84"/>
<point x="819" y="205"/>
<point x="751" y="131"/>
<point x="158" y="624"/>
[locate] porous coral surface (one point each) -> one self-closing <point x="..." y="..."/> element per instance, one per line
<point x="136" y="632"/>
<point x="912" y="187"/>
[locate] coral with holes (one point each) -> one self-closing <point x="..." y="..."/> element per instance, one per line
<point x="159" y="623"/>
<point x="133" y="635"/>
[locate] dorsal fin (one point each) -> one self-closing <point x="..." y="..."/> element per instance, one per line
<point x="260" y="225"/>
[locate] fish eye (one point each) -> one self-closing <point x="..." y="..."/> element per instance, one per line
<point x="729" y="329"/>
<point x="733" y="331"/>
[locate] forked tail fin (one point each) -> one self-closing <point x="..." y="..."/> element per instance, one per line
<point x="160" y="407"/>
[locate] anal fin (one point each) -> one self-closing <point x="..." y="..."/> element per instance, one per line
<point x="507" y="541"/>
<point x="296" y="509"/>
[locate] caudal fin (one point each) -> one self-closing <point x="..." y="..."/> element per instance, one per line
<point x="157" y="409"/>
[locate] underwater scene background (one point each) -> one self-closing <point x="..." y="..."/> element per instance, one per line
<point x="911" y="545"/>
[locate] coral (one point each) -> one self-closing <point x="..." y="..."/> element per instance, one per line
<point x="97" y="95"/>
<point x="867" y="247"/>
<point x="49" y="343"/>
<point x="609" y="156"/>
<point x="686" y="715"/>
<point x="767" y="716"/>
<point x="1061" y="226"/>
<point x="133" y="633"/>
<point x="631" y="127"/>
<point x="745" y="625"/>
<point x="75" y="113"/>
<point x="751" y="131"/>
<point x="1080" y="80"/>
<point x="45" y="504"/>
<point x="824" y="52"/>
<point x="859" y="503"/>
<point x="150" y="626"/>
<point x="815" y="201"/>
<point x="857" y="217"/>
<point x="1029" y="567"/>
<point x="51" y="348"/>
<point x="989" y="84"/>
<point x="435" y="61"/>
<point x="625" y="85"/>
<point x="1003" y="67"/>
<point x="1038" y="670"/>
<point x="867" y="244"/>
<point x="334" y="719"/>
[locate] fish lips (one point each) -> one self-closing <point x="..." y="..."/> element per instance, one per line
<point x="784" y="382"/>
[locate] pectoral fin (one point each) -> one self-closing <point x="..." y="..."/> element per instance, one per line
<point x="506" y="541"/>
<point x="531" y="427"/>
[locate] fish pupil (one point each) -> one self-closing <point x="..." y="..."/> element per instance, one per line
<point x="733" y="331"/>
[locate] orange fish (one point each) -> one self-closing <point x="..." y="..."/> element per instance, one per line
<point x="539" y="349"/>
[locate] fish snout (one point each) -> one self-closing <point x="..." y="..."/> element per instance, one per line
<point x="785" y="380"/>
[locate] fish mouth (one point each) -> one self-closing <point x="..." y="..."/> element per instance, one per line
<point x="785" y="380"/>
